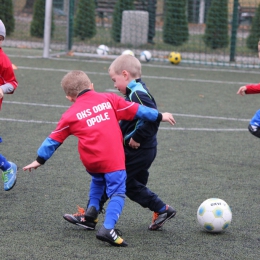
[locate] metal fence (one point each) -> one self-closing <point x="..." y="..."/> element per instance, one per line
<point x="193" y="51"/>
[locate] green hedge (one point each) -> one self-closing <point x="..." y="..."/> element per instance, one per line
<point x="7" y="15"/>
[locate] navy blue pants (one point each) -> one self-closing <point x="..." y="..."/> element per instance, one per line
<point x="138" y="163"/>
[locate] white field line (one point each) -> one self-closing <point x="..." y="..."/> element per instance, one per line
<point x="26" y="121"/>
<point x="144" y="76"/>
<point x="246" y="71"/>
<point x="154" y="77"/>
<point x="213" y="117"/>
<point x="204" y="129"/>
<point x="33" y="104"/>
<point x="175" y="114"/>
<point x="162" y="128"/>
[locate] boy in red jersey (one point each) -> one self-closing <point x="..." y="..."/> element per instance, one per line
<point x="93" y="119"/>
<point x="254" y="125"/>
<point x="8" y="84"/>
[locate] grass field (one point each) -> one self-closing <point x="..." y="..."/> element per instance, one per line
<point x="209" y="153"/>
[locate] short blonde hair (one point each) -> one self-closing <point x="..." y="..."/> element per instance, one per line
<point x="74" y="82"/>
<point x="126" y="62"/>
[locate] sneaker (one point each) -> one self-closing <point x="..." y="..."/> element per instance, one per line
<point x="160" y="218"/>
<point x="112" y="236"/>
<point x="79" y="219"/>
<point x="103" y="200"/>
<point x="91" y="214"/>
<point x="9" y="177"/>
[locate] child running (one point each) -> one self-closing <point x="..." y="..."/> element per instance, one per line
<point x="254" y="125"/>
<point x="93" y="119"/>
<point x="8" y="84"/>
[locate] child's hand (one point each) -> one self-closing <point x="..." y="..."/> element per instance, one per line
<point x="242" y="91"/>
<point x="132" y="143"/>
<point x="33" y="165"/>
<point x="1" y="93"/>
<point x="167" y="117"/>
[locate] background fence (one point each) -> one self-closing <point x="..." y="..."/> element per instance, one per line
<point x="166" y="19"/>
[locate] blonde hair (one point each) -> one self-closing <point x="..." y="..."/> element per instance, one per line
<point x="126" y="62"/>
<point x="74" y="82"/>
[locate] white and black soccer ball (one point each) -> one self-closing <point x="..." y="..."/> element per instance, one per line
<point x="214" y="215"/>
<point x="102" y="50"/>
<point x="145" y="56"/>
<point x="128" y="52"/>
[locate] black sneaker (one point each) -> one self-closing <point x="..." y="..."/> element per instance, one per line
<point x="160" y="218"/>
<point x="79" y="219"/>
<point x="112" y="236"/>
<point x="91" y="214"/>
<point x="103" y="200"/>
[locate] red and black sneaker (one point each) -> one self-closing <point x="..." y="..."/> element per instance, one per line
<point x="160" y="218"/>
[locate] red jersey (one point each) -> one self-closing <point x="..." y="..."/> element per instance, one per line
<point x="93" y="119"/>
<point x="253" y="89"/>
<point x="6" y="72"/>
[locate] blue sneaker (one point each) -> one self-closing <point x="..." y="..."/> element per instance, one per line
<point x="9" y="177"/>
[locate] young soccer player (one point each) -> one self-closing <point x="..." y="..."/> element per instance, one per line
<point x="8" y="84"/>
<point x="254" y="125"/>
<point x="140" y="146"/>
<point x="93" y="119"/>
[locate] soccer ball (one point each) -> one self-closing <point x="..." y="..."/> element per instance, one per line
<point x="102" y="50"/>
<point x="145" y="56"/>
<point x="128" y="52"/>
<point x="174" y="58"/>
<point x="214" y="215"/>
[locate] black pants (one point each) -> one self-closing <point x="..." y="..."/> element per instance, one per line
<point x="138" y="163"/>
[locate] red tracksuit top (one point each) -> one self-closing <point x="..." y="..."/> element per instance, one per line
<point x="93" y="119"/>
<point x="253" y="88"/>
<point x="6" y="72"/>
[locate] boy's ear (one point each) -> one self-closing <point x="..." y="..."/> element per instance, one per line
<point x="125" y="74"/>
<point x="70" y="98"/>
<point x="91" y="86"/>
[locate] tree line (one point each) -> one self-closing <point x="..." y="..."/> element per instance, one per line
<point x="175" y="22"/>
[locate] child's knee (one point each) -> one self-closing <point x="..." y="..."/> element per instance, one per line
<point x="254" y="130"/>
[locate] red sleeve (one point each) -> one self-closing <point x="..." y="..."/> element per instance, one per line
<point x="6" y="71"/>
<point x="61" y="132"/>
<point x="125" y="110"/>
<point x="253" y="88"/>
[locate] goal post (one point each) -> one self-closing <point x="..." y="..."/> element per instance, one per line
<point x="47" y="28"/>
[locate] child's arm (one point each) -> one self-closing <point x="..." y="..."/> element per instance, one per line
<point x="8" y="81"/>
<point x="6" y="89"/>
<point x="33" y="165"/>
<point x="249" y="89"/>
<point x="144" y="129"/>
<point x="129" y="110"/>
<point x="153" y="115"/>
<point x="242" y="91"/>
<point x="167" y="117"/>
<point x="46" y="150"/>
